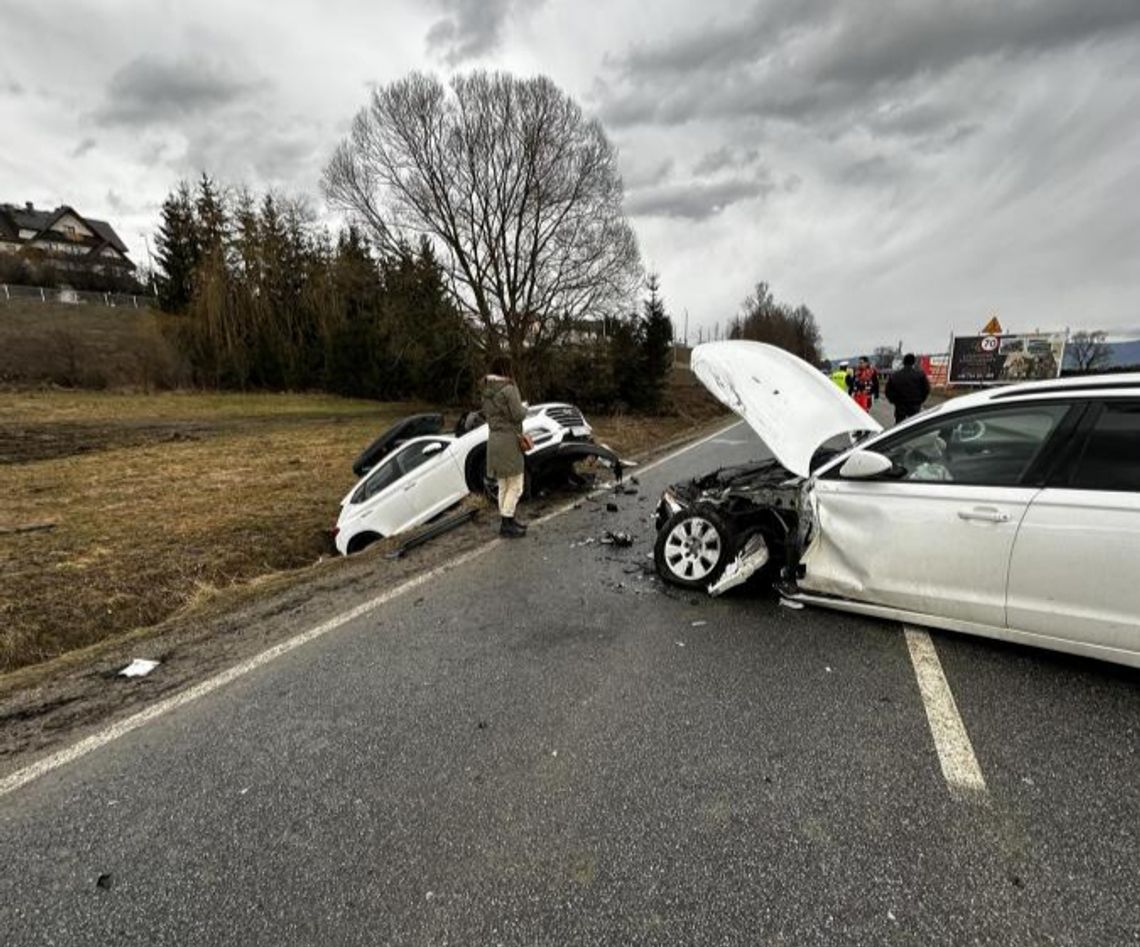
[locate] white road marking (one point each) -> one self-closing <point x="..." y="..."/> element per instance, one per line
<point x="955" y="752"/>
<point x="69" y="754"/>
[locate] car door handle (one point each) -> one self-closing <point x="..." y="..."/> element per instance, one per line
<point x="984" y="514"/>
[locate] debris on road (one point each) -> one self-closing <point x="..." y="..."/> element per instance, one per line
<point x="139" y="667"/>
<point x="620" y="540"/>
<point x="103" y="882"/>
<point x="788" y="603"/>
<point x="699" y="624"/>
<point x="611" y="508"/>
<point x="443" y="526"/>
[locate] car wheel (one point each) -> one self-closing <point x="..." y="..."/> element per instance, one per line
<point x="362" y="541"/>
<point x="476" y="468"/>
<point x="692" y="548"/>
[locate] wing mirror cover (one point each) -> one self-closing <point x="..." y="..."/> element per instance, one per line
<point x="865" y="464"/>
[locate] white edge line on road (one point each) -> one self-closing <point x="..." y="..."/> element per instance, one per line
<point x="955" y="752"/>
<point x="69" y="754"/>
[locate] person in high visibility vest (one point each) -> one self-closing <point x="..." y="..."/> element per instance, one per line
<point x="841" y="377"/>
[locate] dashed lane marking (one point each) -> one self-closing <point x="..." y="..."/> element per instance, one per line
<point x="955" y="752"/>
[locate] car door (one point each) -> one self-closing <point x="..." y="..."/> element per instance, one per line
<point x="1073" y="574"/>
<point x="935" y="534"/>
<point x="379" y="503"/>
<point x="432" y="480"/>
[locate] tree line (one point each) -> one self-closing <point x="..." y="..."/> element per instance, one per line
<point x="271" y="300"/>
<point x="486" y="217"/>
<point x="764" y="319"/>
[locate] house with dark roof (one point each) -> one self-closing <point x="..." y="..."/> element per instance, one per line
<point x="64" y="240"/>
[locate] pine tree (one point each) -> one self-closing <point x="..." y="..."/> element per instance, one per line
<point x="657" y="346"/>
<point x="178" y="251"/>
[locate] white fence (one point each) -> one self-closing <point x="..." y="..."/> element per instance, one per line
<point x="75" y="297"/>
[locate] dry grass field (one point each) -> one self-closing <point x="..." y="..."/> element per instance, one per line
<point x="88" y="346"/>
<point x="156" y="501"/>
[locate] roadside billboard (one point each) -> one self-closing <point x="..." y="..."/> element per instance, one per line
<point x="934" y="368"/>
<point x="1001" y="359"/>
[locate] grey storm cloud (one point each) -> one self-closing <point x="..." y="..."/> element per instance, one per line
<point x="151" y="91"/>
<point x="725" y="157"/>
<point x="473" y="28"/>
<point x="86" y="145"/>
<point x="817" y="58"/>
<point x="696" y="201"/>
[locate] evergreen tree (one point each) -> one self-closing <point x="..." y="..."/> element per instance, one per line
<point x="178" y="250"/>
<point x="627" y="361"/>
<point x="657" y="346"/>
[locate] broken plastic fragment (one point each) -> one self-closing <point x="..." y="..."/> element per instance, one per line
<point x="620" y="540"/>
<point x="788" y="603"/>
<point x="139" y="667"/>
<point x="699" y="624"/>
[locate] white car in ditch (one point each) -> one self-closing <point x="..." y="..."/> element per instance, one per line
<point x="413" y="472"/>
<point x="1012" y="513"/>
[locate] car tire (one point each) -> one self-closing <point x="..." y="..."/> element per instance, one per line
<point x="362" y="541"/>
<point x="475" y="470"/>
<point x="693" y="548"/>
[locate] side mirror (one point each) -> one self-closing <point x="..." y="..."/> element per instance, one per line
<point x="865" y="464"/>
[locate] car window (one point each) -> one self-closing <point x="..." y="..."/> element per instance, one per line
<point x="981" y="448"/>
<point x="417" y="454"/>
<point x="1111" y="459"/>
<point x="383" y="475"/>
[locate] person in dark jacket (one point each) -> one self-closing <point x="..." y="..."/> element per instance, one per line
<point x="907" y="389"/>
<point x="504" y="411"/>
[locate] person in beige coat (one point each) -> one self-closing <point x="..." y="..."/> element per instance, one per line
<point x="504" y="410"/>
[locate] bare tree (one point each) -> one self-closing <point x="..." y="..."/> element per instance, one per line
<point x="1090" y="351"/>
<point x="518" y="189"/>
<point x="884" y="356"/>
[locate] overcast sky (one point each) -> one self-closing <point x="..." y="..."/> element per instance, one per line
<point x="903" y="168"/>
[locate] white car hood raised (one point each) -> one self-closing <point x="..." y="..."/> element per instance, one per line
<point x="792" y="406"/>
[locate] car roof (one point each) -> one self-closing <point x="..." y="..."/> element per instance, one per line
<point x="1125" y="384"/>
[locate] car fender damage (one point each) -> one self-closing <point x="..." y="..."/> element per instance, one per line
<point x="768" y="514"/>
<point x="556" y="461"/>
<point x="750" y="560"/>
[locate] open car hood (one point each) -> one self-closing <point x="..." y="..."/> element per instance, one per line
<point x="792" y="406"/>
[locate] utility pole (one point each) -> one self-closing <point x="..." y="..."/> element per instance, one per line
<point x="686" y="328"/>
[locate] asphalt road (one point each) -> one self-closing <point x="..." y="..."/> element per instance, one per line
<point x="543" y="746"/>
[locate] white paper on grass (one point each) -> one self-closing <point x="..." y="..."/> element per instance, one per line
<point x="139" y="667"/>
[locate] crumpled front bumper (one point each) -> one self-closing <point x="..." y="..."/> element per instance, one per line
<point x="546" y="460"/>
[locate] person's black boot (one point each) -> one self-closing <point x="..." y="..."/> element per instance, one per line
<point x="510" y="529"/>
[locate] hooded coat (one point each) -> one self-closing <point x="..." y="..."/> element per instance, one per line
<point x="504" y="411"/>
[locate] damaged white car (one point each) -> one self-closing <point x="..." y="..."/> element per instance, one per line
<point x="414" y="471"/>
<point x="1012" y="513"/>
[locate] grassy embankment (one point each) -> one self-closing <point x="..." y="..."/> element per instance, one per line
<point x="158" y="500"/>
<point x="87" y="346"/>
